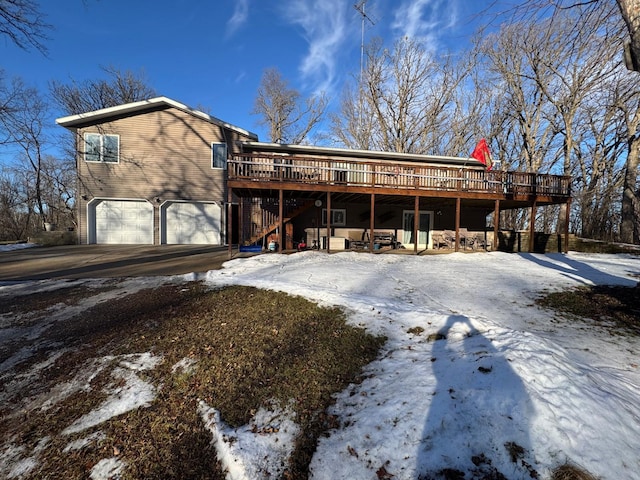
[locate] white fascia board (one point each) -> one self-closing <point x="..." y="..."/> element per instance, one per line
<point x="97" y="116"/>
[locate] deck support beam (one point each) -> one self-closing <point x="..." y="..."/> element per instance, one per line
<point x="566" y="226"/>
<point x="496" y="227"/>
<point x="532" y="227"/>
<point x="281" y="234"/>
<point x="229" y="221"/>
<point x="416" y="223"/>
<point x="328" y="222"/>
<point x="240" y="221"/>
<point x="372" y="221"/>
<point x="457" y="224"/>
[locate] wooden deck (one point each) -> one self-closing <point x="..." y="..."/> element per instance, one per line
<point x="419" y="185"/>
<point x="264" y="171"/>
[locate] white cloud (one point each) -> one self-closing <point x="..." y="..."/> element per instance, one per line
<point x="325" y="25"/>
<point x="239" y="17"/>
<point x="424" y="20"/>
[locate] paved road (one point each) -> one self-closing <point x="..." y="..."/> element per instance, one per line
<point x="98" y="261"/>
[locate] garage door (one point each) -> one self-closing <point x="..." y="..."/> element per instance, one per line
<point x="193" y="223"/>
<point x="123" y="222"/>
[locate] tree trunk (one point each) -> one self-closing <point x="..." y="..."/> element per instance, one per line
<point x="628" y="230"/>
<point x="630" y="10"/>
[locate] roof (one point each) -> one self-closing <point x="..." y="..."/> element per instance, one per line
<point x="135" y="108"/>
<point x="345" y="152"/>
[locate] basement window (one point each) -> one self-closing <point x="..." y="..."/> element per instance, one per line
<point x="338" y="217"/>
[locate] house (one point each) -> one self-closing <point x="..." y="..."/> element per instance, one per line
<point x="152" y="172"/>
<point x="159" y="172"/>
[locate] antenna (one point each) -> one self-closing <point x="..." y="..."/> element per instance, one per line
<point x="360" y="7"/>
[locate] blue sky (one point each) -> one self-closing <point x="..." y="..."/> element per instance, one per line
<point x="212" y="53"/>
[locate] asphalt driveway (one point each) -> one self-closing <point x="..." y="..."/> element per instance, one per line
<point x="98" y="261"/>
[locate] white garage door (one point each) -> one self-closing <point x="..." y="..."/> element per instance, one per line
<point x="124" y="222"/>
<point x="193" y="223"/>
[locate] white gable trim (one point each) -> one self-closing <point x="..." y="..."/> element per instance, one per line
<point x="103" y="114"/>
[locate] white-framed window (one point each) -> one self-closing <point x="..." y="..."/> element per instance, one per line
<point x="219" y="155"/>
<point x="338" y="217"/>
<point x="101" y="148"/>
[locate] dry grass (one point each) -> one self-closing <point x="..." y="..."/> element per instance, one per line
<point x="614" y="307"/>
<point x="570" y="471"/>
<point x="248" y="347"/>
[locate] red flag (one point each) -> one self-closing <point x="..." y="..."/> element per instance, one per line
<point x="482" y="154"/>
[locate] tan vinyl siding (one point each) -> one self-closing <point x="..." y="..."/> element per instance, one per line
<point x="164" y="155"/>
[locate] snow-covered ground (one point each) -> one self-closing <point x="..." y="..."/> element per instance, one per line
<point x="16" y="246"/>
<point x="474" y="376"/>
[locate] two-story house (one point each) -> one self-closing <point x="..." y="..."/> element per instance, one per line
<point x="159" y="172"/>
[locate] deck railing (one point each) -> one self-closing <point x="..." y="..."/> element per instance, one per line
<point x="276" y="168"/>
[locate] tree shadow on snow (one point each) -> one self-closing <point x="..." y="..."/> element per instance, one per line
<point x="579" y="271"/>
<point x="478" y="421"/>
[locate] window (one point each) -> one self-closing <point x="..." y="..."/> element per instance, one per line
<point x="219" y="155"/>
<point x="101" y="148"/>
<point x="338" y="217"/>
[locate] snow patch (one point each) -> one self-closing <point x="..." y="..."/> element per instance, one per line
<point x="257" y="451"/>
<point x="107" y="469"/>
<point x="135" y="393"/>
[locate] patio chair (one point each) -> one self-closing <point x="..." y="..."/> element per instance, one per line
<point x="449" y="238"/>
<point x="476" y="240"/>
<point x="464" y="237"/>
<point x="439" y="241"/>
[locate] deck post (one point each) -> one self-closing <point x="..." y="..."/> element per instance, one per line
<point x="532" y="227"/>
<point x="566" y="226"/>
<point x="240" y="222"/>
<point x="281" y="233"/>
<point x="416" y="223"/>
<point x="229" y="222"/>
<point x="496" y="226"/>
<point x="457" y="224"/>
<point x="372" y="217"/>
<point x="328" y="222"/>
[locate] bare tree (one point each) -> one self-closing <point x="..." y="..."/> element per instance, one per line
<point x="354" y="125"/>
<point x="16" y="211"/>
<point x="23" y="23"/>
<point x="628" y="103"/>
<point x="288" y="117"/>
<point x="396" y="84"/>
<point x="25" y="126"/>
<point x="563" y="79"/>
<point x="522" y="117"/>
<point x="407" y="101"/>
<point x="117" y="88"/>
<point x="9" y="93"/>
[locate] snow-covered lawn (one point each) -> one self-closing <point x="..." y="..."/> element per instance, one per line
<point x="474" y="376"/>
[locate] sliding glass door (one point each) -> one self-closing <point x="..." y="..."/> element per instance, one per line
<point x="425" y="225"/>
